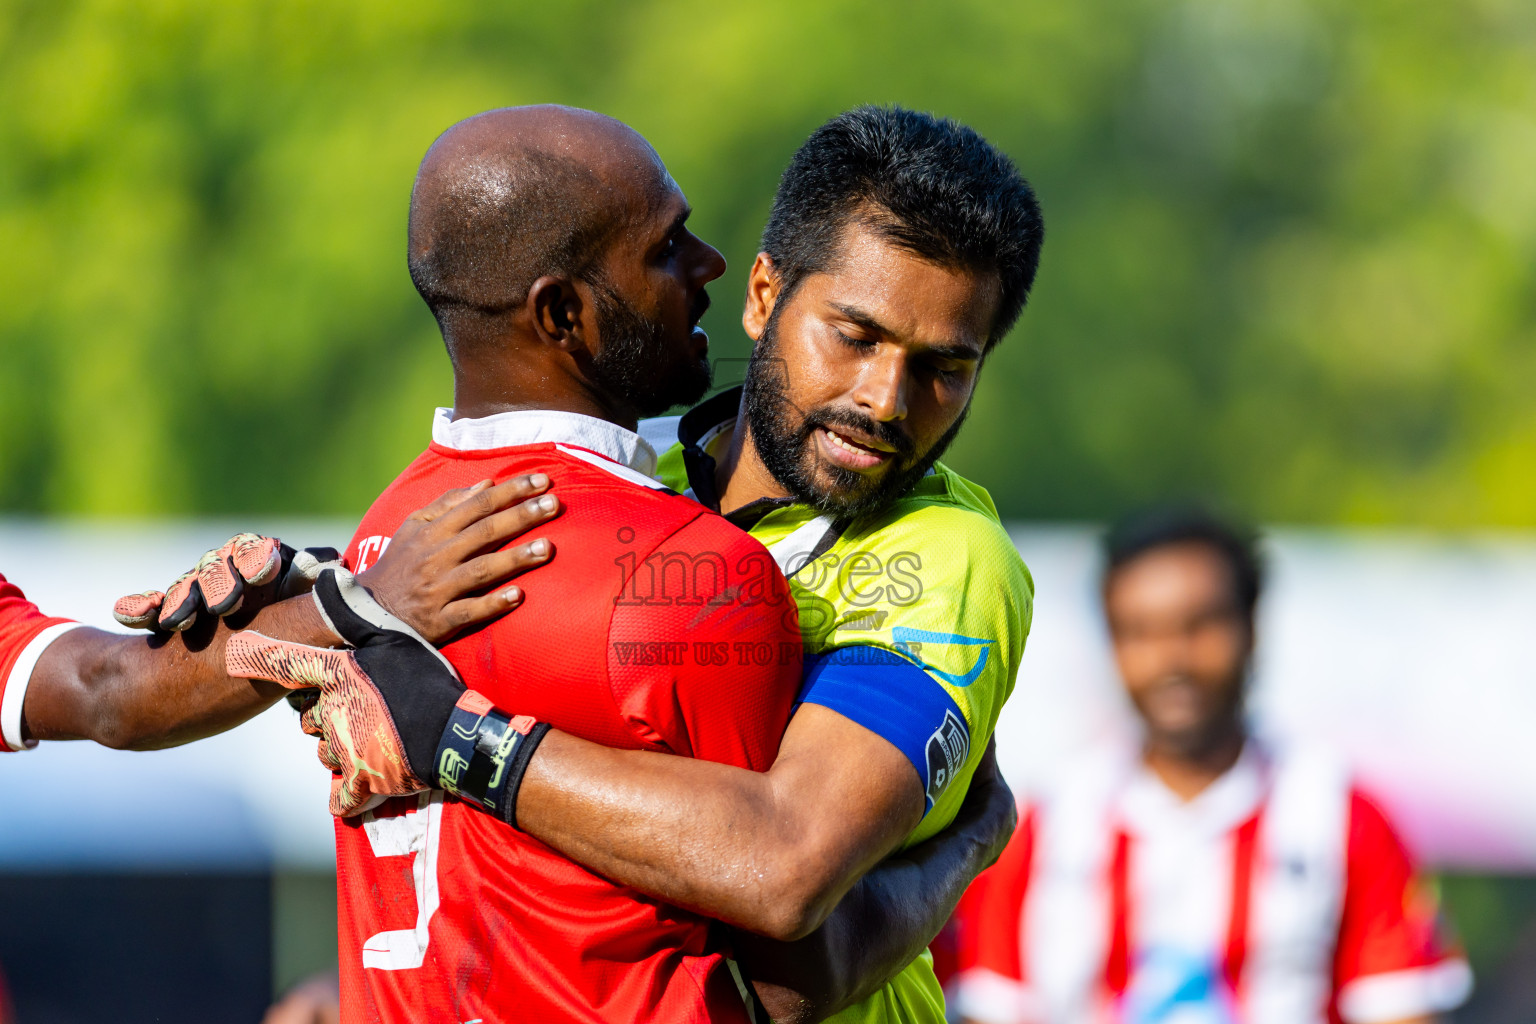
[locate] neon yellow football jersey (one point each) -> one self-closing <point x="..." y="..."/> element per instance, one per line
<point x="929" y="593"/>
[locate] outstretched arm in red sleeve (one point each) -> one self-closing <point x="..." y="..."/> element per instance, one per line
<point x="142" y="692"/>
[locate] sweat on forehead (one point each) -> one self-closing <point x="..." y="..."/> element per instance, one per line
<point x="512" y="195"/>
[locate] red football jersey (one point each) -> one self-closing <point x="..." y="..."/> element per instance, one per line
<point x="22" y="639"/>
<point x="658" y="626"/>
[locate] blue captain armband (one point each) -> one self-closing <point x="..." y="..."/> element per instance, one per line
<point x="896" y="699"/>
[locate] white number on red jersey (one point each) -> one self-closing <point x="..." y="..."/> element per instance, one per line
<point x="414" y="834"/>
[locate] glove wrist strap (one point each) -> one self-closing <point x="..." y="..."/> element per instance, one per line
<point x="327" y="589"/>
<point x="483" y="754"/>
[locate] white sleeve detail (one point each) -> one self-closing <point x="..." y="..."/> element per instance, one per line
<point x="1415" y="992"/>
<point x="985" y="995"/>
<point x="17" y="682"/>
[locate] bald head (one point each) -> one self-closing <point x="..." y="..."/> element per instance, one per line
<point x="512" y="195"/>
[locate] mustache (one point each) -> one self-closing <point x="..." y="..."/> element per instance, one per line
<point x="700" y="307"/>
<point x="886" y="433"/>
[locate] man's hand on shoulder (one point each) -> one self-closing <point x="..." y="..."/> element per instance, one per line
<point x="438" y="572"/>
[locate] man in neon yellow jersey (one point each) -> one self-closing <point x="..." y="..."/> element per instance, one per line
<point x="900" y="249"/>
<point x="914" y="605"/>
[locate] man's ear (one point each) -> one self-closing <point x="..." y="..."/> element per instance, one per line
<point x="556" y="309"/>
<point x="762" y="293"/>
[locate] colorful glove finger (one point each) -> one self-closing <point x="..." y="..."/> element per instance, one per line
<point x="392" y="713"/>
<point x="362" y="744"/>
<point x="220" y="581"/>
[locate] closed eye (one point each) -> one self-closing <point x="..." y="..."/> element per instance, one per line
<point x="858" y="343"/>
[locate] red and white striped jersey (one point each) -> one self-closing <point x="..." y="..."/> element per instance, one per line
<point x="1279" y="895"/>
<point x="25" y="633"/>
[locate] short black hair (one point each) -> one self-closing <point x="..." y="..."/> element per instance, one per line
<point x="1167" y="525"/>
<point x="931" y="185"/>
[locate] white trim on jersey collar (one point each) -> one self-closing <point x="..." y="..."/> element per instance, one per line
<point x="545" y="426"/>
<point x="15" y="685"/>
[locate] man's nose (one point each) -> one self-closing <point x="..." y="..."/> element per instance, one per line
<point x="710" y="265"/>
<point x="882" y="388"/>
<point x="1175" y="653"/>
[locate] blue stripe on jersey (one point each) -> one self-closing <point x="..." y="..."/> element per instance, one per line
<point x="890" y="696"/>
<point x="904" y="635"/>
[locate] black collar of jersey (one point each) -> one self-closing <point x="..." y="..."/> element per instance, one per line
<point x="706" y="416"/>
<point x="695" y="424"/>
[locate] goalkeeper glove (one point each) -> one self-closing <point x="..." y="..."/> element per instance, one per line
<point x="392" y="715"/>
<point x="224" y="581"/>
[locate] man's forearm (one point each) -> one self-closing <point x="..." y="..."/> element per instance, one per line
<point x="771" y="852"/>
<point x="886" y="920"/>
<point x="686" y="831"/>
<point x="145" y="692"/>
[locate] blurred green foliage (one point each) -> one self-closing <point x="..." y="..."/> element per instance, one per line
<point x="1492" y="916"/>
<point x="1291" y="255"/>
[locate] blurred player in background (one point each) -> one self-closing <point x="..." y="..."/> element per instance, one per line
<point x="901" y="248"/>
<point x="1211" y="879"/>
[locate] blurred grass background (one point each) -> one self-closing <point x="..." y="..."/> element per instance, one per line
<point x="1289" y="259"/>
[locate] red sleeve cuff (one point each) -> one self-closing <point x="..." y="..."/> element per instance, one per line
<point x="15" y="677"/>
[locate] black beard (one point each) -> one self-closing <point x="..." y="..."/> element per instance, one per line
<point x="633" y="368"/>
<point x="785" y="448"/>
